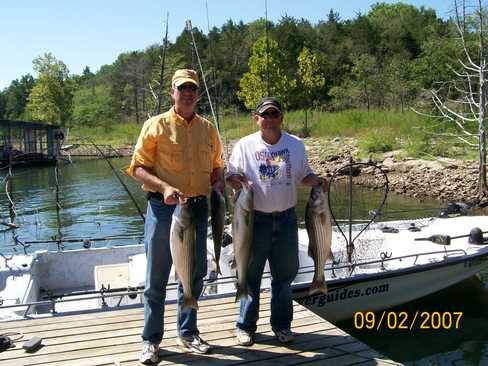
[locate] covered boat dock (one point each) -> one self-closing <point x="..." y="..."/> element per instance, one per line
<point x="29" y="142"/>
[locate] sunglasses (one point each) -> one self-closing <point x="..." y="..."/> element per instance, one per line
<point x="190" y="87"/>
<point x="274" y="114"/>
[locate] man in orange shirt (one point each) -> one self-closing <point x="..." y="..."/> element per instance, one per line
<point x="177" y="158"/>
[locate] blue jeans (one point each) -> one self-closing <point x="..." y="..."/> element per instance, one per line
<point x="159" y="261"/>
<point x="275" y="239"/>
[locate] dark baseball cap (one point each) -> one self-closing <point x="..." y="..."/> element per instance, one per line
<point x="268" y="102"/>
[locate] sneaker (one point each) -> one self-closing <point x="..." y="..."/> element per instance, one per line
<point x="150" y="353"/>
<point x="244" y="338"/>
<point x="193" y="343"/>
<point x="284" y="335"/>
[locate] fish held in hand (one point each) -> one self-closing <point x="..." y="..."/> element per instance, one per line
<point x="182" y="243"/>
<point x="217" y="219"/>
<point x="242" y="231"/>
<point x="319" y="228"/>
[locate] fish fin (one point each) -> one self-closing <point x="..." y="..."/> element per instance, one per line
<point x="190" y="303"/>
<point x="318" y="286"/>
<point x="241" y="292"/>
<point x="331" y="256"/>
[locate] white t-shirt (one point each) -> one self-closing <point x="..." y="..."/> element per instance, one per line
<point x="275" y="170"/>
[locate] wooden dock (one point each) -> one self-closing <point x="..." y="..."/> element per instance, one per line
<point x="113" y="338"/>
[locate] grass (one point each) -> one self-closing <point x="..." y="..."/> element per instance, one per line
<point x="116" y="134"/>
<point x="376" y="131"/>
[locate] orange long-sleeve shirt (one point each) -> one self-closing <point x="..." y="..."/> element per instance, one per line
<point x="180" y="153"/>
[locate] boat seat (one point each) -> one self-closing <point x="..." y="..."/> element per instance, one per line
<point x="112" y="275"/>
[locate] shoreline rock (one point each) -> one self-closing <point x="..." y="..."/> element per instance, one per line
<point x="441" y="179"/>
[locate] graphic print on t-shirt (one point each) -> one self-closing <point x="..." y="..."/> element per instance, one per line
<point x="273" y="166"/>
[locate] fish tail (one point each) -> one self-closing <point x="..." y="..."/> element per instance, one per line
<point x="190" y="302"/>
<point x="318" y="286"/>
<point x="241" y="292"/>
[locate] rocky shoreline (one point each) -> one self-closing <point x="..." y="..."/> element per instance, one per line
<point x="446" y="180"/>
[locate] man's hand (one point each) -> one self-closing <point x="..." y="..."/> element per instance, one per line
<point x="313" y="180"/>
<point x="219" y="186"/>
<point x="237" y="180"/>
<point x="172" y="196"/>
<point x="323" y="182"/>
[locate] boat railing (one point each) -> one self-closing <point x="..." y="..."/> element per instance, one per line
<point x="85" y="243"/>
<point x="104" y="293"/>
<point x="384" y="257"/>
<point x="132" y="292"/>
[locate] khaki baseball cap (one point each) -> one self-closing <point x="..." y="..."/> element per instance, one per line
<point x="182" y="76"/>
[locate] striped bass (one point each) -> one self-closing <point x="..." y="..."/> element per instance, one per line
<point x="182" y="243"/>
<point x="242" y="232"/>
<point x="217" y="218"/>
<point x="319" y="228"/>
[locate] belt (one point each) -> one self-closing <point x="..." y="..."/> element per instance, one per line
<point x="275" y="213"/>
<point x="160" y="197"/>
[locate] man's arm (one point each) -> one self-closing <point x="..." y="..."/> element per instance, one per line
<point x="171" y="194"/>
<point x="217" y="179"/>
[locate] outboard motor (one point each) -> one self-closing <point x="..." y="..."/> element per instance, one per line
<point x="227" y="239"/>
<point x="476" y="236"/>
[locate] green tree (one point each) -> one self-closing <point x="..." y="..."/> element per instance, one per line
<point x="365" y="75"/>
<point x="15" y="97"/>
<point x="311" y="80"/>
<point x="2" y="105"/>
<point x="439" y="54"/>
<point x="92" y="106"/>
<point x="309" y="75"/>
<point x="266" y="75"/>
<point x="51" y="97"/>
<point x="402" y="28"/>
<point x="401" y="85"/>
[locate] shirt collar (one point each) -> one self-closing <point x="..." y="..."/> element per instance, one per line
<point x="176" y="117"/>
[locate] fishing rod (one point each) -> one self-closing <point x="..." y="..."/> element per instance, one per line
<point x="386" y="213"/>
<point x="80" y="240"/>
<point x="475" y="237"/>
<point x="118" y="177"/>
<point x="58" y="205"/>
<point x="212" y="62"/>
<point x="11" y="225"/>
<point x="9" y="189"/>
<point x="267" y="44"/>
<point x="451" y="208"/>
<point x="189" y="27"/>
<point x="163" y="59"/>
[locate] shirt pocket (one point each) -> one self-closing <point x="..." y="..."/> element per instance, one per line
<point x="205" y="157"/>
<point x="171" y="157"/>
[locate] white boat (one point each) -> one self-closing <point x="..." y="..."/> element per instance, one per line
<point x="395" y="268"/>
<point x="390" y="267"/>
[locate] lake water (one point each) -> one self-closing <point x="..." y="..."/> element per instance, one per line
<point x="94" y="205"/>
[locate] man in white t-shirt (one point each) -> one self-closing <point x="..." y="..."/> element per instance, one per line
<point x="275" y="163"/>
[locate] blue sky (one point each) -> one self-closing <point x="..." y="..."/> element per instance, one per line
<point x="94" y="32"/>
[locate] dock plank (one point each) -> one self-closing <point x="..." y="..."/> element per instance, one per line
<point x="106" y="337"/>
